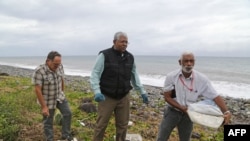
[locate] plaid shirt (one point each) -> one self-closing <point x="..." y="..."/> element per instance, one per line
<point x="51" y="83"/>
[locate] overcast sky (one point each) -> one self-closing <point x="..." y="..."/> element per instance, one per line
<point x="154" y="27"/>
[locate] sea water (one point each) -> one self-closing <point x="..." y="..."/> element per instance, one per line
<point x="229" y="75"/>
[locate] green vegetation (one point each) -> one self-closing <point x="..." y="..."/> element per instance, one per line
<point x="21" y="119"/>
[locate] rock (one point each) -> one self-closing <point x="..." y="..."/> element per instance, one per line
<point x="87" y="106"/>
<point x="4" y="74"/>
<point x="239" y="107"/>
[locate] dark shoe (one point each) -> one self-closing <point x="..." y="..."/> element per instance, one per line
<point x="195" y="135"/>
<point x="68" y="138"/>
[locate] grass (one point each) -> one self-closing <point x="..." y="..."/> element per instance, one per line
<point x="21" y="120"/>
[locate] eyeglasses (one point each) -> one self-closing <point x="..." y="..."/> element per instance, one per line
<point x="56" y="64"/>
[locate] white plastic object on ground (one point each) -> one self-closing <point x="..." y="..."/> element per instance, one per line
<point x="82" y="123"/>
<point x="130" y="123"/>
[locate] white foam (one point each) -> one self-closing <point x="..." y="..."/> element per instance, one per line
<point x="236" y="90"/>
<point x="224" y="88"/>
<point x="77" y="72"/>
<point x="18" y="65"/>
<point x="152" y="80"/>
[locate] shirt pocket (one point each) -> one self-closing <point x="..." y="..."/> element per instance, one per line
<point x="192" y="96"/>
<point x="48" y="80"/>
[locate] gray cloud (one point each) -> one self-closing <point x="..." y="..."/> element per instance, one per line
<point x="76" y="27"/>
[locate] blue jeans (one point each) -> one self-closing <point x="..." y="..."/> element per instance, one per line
<point x="171" y="119"/>
<point x="66" y="121"/>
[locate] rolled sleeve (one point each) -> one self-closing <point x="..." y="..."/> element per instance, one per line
<point x="168" y="84"/>
<point x="37" y="78"/>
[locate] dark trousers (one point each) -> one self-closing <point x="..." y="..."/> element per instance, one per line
<point x="121" y="112"/>
<point x="66" y="121"/>
<point x="173" y="118"/>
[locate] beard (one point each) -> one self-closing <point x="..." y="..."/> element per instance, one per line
<point x="187" y="69"/>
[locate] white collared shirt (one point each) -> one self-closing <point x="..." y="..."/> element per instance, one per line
<point x="184" y="96"/>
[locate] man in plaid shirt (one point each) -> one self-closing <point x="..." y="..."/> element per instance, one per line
<point x="49" y="87"/>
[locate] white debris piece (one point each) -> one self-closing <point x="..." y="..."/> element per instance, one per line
<point x="130" y="123"/>
<point x="83" y="124"/>
<point x="132" y="137"/>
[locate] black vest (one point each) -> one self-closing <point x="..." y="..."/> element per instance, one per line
<point x="116" y="76"/>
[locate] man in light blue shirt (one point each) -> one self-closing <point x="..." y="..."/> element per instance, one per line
<point x="111" y="79"/>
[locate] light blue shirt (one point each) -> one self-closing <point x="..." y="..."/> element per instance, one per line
<point x="184" y="96"/>
<point x="97" y="72"/>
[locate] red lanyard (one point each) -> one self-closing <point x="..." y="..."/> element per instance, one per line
<point x="191" y="86"/>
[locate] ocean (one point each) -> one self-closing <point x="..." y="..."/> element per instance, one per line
<point x="229" y="75"/>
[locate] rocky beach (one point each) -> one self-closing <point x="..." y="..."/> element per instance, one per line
<point x="239" y="107"/>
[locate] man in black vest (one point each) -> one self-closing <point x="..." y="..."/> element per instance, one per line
<point x="111" y="79"/>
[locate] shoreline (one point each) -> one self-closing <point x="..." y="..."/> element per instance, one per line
<point x="239" y="107"/>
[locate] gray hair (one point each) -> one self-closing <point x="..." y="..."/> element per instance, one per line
<point x="119" y="34"/>
<point x="186" y="53"/>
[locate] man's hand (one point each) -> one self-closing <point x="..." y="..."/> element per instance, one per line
<point x="99" y="97"/>
<point x="45" y="111"/>
<point x="227" y="117"/>
<point x="144" y="98"/>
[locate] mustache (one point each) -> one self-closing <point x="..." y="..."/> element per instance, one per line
<point x="187" y="69"/>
